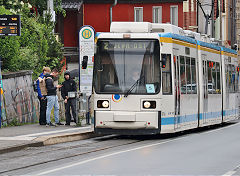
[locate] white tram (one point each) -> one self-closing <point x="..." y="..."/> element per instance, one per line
<point x="158" y="78"/>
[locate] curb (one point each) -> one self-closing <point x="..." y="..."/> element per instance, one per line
<point x="20" y="147"/>
<point x="62" y="138"/>
<point x="50" y="140"/>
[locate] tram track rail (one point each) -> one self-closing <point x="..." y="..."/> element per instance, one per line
<point x="90" y="151"/>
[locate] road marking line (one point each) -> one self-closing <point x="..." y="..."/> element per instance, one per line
<point x="104" y="156"/>
<point x="124" y="151"/>
<point x="52" y="132"/>
<point x="230" y="173"/>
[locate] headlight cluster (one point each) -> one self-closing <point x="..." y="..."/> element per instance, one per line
<point x="149" y="104"/>
<point x="103" y="104"/>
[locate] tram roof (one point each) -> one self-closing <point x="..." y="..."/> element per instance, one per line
<point x="178" y="37"/>
<point x="228" y="50"/>
<point x="201" y="43"/>
<point x="209" y="45"/>
<point x="193" y="41"/>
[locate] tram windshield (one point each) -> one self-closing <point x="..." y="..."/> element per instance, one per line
<point x="127" y="66"/>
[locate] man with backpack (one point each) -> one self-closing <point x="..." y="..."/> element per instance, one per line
<point x="42" y="93"/>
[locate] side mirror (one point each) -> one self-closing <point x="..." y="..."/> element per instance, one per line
<point x="84" y="62"/>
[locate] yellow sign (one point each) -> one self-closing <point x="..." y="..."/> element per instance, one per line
<point x="87" y="34"/>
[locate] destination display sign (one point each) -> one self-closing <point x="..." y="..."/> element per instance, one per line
<point x="10" y="25"/>
<point x="127" y="45"/>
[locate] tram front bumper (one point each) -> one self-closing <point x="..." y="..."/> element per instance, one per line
<point x="117" y="120"/>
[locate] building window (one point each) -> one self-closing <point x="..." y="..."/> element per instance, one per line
<point x="174" y="15"/>
<point x="138" y="14"/>
<point x="157" y="14"/>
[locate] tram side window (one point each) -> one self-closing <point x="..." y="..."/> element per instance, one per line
<point x="166" y="75"/>
<point x="211" y="77"/>
<point x="230" y="78"/>
<point x="233" y="78"/>
<point x="236" y="80"/>
<point x="227" y="78"/>
<point x="214" y="78"/>
<point x="193" y="76"/>
<point x="218" y="85"/>
<point x="183" y="75"/>
<point x="188" y="76"/>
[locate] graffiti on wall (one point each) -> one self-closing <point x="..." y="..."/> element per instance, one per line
<point x="19" y="100"/>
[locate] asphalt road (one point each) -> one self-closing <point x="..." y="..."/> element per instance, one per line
<point x="214" y="151"/>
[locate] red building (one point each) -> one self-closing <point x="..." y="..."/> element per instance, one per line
<point x="97" y="14"/>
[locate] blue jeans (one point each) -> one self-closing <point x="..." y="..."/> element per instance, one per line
<point x="52" y="101"/>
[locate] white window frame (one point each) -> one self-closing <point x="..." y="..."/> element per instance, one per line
<point x="159" y="8"/>
<point x="192" y="5"/>
<point x="171" y="20"/>
<point x="141" y="16"/>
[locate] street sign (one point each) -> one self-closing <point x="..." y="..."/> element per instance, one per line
<point x="10" y="25"/>
<point x="86" y="55"/>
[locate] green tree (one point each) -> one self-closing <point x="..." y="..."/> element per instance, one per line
<point x="37" y="45"/>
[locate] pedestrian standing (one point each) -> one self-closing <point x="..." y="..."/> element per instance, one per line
<point x="68" y="91"/>
<point x="42" y="93"/>
<point x="52" y="99"/>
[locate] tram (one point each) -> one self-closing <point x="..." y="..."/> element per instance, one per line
<point x="153" y="78"/>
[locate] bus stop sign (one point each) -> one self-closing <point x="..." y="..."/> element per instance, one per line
<point x="86" y="59"/>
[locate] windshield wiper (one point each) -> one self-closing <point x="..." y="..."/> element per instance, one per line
<point x="133" y="86"/>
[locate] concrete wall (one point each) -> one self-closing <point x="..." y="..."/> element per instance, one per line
<point x="19" y="101"/>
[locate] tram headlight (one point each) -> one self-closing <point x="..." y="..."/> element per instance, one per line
<point x="147" y="104"/>
<point x="103" y="104"/>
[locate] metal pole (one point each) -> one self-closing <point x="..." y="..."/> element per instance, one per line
<point x="233" y="23"/>
<point x="206" y="24"/>
<point x="212" y="16"/>
<point x="197" y="18"/>
<point x="115" y="3"/>
<point x="221" y="22"/>
<point x="0" y="92"/>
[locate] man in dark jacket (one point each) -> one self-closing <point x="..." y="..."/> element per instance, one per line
<point x="52" y="99"/>
<point x="69" y="88"/>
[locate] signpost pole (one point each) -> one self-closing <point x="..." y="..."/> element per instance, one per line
<point x="0" y="92"/>
<point x="86" y="57"/>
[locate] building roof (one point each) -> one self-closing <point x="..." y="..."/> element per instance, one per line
<point x="118" y="1"/>
<point x="72" y="4"/>
<point x="131" y="1"/>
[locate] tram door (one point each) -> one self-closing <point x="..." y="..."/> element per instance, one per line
<point x="205" y="89"/>
<point x="177" y="91"/>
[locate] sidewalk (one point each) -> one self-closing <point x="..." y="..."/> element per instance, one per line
<point x="34" y="135"/>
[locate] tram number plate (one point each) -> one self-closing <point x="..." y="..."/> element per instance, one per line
<point x="124" y="117"/>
